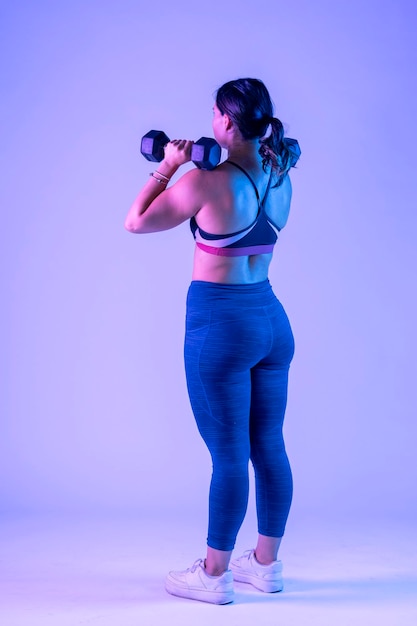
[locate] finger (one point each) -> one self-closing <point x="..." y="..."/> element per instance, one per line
<point x="181" y="142"/>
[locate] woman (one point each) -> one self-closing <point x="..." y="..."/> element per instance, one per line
<point x="238" y="344"/>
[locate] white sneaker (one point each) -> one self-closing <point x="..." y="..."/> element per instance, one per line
<point x="194" y="583"/>
<point x="246" y="569"/>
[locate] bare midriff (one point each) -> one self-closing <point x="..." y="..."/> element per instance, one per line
<point x="230" y="270"/>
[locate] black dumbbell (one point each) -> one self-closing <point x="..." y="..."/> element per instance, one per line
<point x="294" y="150"/>
<point x="205" y="153"/>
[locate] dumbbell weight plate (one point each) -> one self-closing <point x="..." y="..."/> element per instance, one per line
<point x="206" y="153"/>
<point x="153" y="144"/>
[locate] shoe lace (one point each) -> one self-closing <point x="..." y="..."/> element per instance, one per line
<point x="248" y="553"/>
<point x="197" y="563"/>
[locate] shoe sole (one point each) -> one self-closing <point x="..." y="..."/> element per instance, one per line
<point x="213" y="597"/>
<point x="267" y="586"/>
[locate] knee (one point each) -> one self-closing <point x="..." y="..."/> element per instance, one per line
<point x="268" y="456"/>
<point x="230" y="464"/>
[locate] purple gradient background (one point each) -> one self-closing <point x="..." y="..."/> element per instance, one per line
<point x="94" y="410"/>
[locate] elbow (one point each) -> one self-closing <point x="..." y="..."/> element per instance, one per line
<point x="129" y="226"/>
<point x="132" y="224"/>
<point x="133" y="221"/>
<point x="138" y="226"/>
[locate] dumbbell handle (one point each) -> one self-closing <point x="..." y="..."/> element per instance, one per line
<point x="205" y="153"/>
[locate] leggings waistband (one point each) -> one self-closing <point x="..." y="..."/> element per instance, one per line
<point x="202" y="294"/>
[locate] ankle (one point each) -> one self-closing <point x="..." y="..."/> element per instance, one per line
<point x="213" y="572"/>
<point x="262" y="560"/>
<point x="266" y="551"/>
<point x="217" y="561"/>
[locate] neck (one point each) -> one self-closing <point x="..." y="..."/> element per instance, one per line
<point x="245" y="153"/>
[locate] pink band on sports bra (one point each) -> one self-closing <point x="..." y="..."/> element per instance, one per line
<point x="231" y="252"/>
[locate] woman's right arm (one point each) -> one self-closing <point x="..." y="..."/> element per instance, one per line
<point x="157" y="208"/>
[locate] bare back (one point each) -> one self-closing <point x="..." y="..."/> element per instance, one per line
<point x="229" y="204"/>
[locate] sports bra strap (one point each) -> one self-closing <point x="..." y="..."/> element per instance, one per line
<point x="268" y="187"/>
<point x="253" y="184"/>
<point x="247" y="175"/>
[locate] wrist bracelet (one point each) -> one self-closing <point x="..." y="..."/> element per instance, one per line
<point x="160" y="181"/>
<point x="163" y="175"/>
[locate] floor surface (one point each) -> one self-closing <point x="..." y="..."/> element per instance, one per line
<point x="110" y="572"/>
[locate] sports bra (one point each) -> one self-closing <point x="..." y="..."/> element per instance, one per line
<point x="258" y="238"/>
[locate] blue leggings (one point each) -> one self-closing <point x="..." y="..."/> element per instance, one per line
<point x="238" y="349"/>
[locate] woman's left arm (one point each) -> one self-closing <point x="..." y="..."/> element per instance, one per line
<point x="157" y="208"/>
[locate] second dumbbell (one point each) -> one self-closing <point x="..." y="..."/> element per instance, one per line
<point x="205" y="153"/>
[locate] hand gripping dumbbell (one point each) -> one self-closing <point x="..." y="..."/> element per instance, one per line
<point x="294" y="150"/>
<point x="205" y="153"/>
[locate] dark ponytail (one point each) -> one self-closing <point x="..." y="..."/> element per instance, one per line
<point x="274" y="151"/>
<point x="248" y="104"/>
